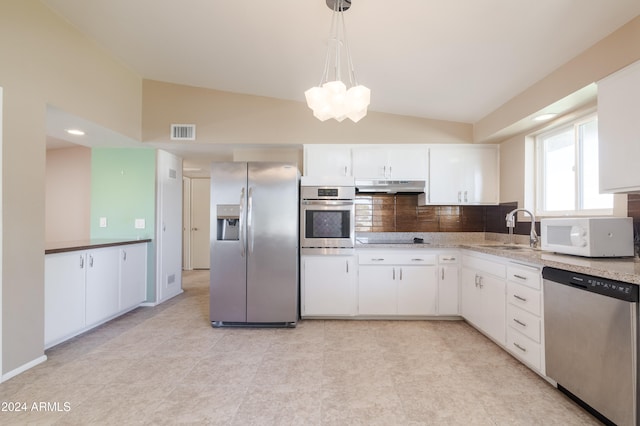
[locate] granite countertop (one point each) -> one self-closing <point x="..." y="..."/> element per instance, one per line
<point x="65" y="246"/>
<point x="625" y="269"/>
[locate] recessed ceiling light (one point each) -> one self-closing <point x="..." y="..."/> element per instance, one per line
<point x="545" y="116"/>
<point x="76" y="132"/>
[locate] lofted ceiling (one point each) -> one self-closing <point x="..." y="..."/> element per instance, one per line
<point x="455" y="60"/>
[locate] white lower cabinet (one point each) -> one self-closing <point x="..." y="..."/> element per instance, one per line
<point x="133" y="275"/>
<point x="417" y="290"/>
<point x="377" y="290"/>
<point x="102" y="284"/>
<point x="525" y="330"/>
<point x="448" y="284"/>
<point x="397" y="283"/>
<point x="328" y="286"/>
<point x="64" y="295"/>
<point x="484" y="296"/>
<point x="86" y="287"/>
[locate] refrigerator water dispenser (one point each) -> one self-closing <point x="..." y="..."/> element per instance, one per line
<point x="228" y="220"/>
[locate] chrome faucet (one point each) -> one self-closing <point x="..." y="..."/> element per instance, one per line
<point x="511" y="223"/>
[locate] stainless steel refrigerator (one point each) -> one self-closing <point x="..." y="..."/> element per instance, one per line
<point x="254" y="244"/>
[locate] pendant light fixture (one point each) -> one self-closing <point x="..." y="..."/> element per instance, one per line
<point x="331" y="98"/>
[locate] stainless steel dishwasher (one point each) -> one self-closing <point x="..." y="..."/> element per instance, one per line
<point x="591" y="342"/>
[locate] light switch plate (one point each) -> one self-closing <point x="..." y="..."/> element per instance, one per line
<point x="103" y="222"/>
<point x="140" y="224"/>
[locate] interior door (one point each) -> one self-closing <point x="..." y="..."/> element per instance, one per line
<point x="200" y="223"/>
<point x="169" y="226"/>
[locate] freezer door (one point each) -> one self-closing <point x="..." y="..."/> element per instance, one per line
<point x="272" y="242"/>
<point x="228" y="273"/>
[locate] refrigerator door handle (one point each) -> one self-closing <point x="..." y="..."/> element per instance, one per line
<point x="241" y="223"/>
<point x="250" y="220"/>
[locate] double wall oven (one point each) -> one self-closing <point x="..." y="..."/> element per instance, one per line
<point x="327" y="217"/>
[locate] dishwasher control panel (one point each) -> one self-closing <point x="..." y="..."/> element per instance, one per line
<point x="604" y="286"/>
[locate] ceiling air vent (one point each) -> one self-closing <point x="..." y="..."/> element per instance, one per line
<point x="183" y="132"/>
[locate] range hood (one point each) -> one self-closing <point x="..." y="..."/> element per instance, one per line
<point x="388" y="186"/>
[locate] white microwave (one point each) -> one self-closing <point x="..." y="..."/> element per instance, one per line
<point x="588" y="236"/>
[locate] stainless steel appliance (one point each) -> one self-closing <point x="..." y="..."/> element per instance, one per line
<point x="254" y="244"/>
<point x="588" y="236"/>
<point x="389" y="186"/>
<point x="591" y="341"/>
<point x="327" y="216"/>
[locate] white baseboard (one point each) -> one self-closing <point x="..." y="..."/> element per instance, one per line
<point x="23" y="368"/>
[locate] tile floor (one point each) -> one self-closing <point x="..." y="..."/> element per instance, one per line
<point x="167" y="365"/>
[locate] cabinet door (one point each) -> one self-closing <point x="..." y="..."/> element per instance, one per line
<point x="470" y="301"/>
<point x="494" y="304"/>
<point x="445" y="178"/>
<point x="461" y="174"/>
<point x="480" y="177"/>
<point x="328" y="286"/>
<point x="102" y="283"/>
<point x="448" y="290"/>
<point x="417" y="290"/>
<point x="327" y="160"/>
<point x="377" y="290"/>
<point x="618" y="130"/>
<point x="370" y="163"/>
<point x="64" y="295"/>
<point x="408" y="163"/>
<point x="133" y="275"/>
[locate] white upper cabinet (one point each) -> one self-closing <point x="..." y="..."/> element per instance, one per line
<point x="619" y="130"/>
<point x="463" y="174"/>
<point x="327" y="160"/>
<point x="390" y="162"/>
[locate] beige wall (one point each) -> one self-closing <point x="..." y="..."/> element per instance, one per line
<point x="44" y="60"/>
<point x="607" y="56"/>
<point x="68" y="194"/>
<point x="228" y="118"/>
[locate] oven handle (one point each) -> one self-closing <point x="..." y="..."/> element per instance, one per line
<point x="327" y="202"/>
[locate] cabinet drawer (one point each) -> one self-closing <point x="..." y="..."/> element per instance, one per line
<point x="485" y="265"/>
<point x="524" y="348"/>
<point x="528" y="276"/>
<point x="523" y="321"/>
<point x="448" y="258"/>
<point x="386" y="258"/>
<point x="524" y="297"/>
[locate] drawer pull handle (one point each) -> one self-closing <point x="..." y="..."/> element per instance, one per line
<point x="417" y="260"/>
<point x="381" y="259"/>
<point x="448" y="259"/>
<point x="523" y="299"/>
<point x="519" y="347"/>
<point x="522" y="277"/>
<point x="517" y="321"/>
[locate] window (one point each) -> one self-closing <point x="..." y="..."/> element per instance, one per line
<point x="567" y="171"/>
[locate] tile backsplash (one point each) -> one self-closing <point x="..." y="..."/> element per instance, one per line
<point x="401" y="213"/>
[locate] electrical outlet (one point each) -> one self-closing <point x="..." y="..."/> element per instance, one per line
<point x="103" y="222"/>
<point x="139" y="224"/>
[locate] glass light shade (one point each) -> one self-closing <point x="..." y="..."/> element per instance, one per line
<point x="358" y="98"/>
<point x="333" y="100"/>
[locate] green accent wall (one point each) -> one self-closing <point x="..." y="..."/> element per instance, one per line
<point x="123" y="189"/>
